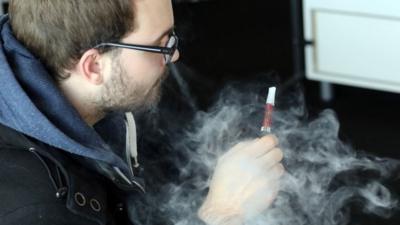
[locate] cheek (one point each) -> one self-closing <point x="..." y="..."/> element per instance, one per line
<point x="142" y="61"/>
<point x="144" y="71"/>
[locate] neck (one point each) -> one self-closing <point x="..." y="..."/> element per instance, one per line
<point x="90" y="118"/>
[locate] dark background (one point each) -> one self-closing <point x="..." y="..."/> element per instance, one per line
<point x="238" y="40"/>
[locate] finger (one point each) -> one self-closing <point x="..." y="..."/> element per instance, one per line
<point x="237" y="148"/>
<point x="270" y="175"/>
<point x="271" y="158"/>
<point x="243" y="144"/>
<point x="262" y="145"/>
<point x="275" y="173"/>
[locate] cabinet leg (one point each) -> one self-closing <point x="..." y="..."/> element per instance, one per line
<point x="326" y="92"/>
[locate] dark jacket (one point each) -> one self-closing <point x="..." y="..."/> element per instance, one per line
<point x="42" y="185"/>
<point x="54" y="168"/>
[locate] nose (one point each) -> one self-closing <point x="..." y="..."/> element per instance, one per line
<point x="175" y="57"/>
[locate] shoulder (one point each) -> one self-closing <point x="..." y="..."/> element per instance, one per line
<point x="42" y="183"/>
<point x="22" y="173"/>
<point x="28" y="194"/>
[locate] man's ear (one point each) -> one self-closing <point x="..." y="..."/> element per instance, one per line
<point x="90" y="67"/>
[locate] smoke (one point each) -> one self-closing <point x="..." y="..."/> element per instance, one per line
<point x="325" y="179"/>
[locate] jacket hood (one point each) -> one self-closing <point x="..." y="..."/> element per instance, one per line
<point x="31" y="103"/>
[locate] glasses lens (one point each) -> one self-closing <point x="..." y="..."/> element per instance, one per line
<point x="171" y="44"/>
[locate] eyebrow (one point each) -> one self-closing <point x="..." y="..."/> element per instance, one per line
<point x="169" y="31"/>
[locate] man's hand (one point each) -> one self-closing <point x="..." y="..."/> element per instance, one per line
<point x="245" y="182"/>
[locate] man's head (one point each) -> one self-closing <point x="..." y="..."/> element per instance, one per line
<point x="59" y="31"/>
<point x="63" y="35"/>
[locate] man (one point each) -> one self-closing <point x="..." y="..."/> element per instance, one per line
<point x="70" y="73"/>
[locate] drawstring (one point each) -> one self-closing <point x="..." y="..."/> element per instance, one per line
<point x="61" y="189"/>
<point x="131" y="143"/>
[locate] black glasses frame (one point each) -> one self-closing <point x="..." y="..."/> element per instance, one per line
<point x="147" y="48"/>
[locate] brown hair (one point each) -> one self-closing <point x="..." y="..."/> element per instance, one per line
<point x="58" y="32"/>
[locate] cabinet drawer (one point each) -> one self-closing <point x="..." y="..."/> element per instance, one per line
<point x="353" y="44"/>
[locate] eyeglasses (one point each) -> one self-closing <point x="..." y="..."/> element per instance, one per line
<point x="168" y="51"/>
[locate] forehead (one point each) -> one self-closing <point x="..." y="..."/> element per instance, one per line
<point x="153" y="15"/>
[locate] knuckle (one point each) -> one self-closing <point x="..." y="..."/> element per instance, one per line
<point x="221" y="160"/>
<point x="270" y="140"/>
<point x="241" y="144"/>
<point x="280" y="169"/>
<point x="275" y="140"/>
<point x="279" y="154"/>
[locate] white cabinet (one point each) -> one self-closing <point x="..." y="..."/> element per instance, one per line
<point x="355" y="42"/>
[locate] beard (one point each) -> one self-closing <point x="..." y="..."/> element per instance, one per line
<point x="121" y="94"/>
